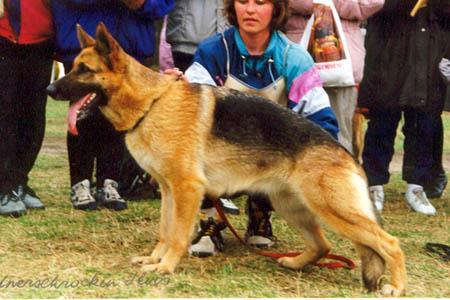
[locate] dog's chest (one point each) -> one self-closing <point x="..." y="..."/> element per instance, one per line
<point x="141" y="150"/>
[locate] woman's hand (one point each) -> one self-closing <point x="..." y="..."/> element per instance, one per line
<point x="176" y="72"/>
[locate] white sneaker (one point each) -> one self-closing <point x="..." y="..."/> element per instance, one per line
<point x="229" y="206"/>
<point x="209" y="240"/>
<point x="376" y="194"/>
<point x="81" y="197"/>
<point x="417" y="199"/>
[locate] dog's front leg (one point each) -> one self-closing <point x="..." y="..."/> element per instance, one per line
<point x="161" y="248"/>
<point x="186" y="195"/>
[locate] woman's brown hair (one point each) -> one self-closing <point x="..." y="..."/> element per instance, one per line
<point x="279" y="18"/>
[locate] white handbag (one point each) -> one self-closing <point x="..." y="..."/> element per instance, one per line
<point x="325" y="40"/>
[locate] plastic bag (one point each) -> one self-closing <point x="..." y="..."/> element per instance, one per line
<point x="325" y="41"/>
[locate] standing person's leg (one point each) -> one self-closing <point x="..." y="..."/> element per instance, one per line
<point x="36" y="69"/>
<point x="110" y="152"/>
<point x="10" y="203"/>
<point x="436" y="187"/>
<point x="80" y="149"/>
<point x="81" y="154"/>
<point x="343" y="103"/>
<point x="418" y="157"/>
<point x="378" y="151"/>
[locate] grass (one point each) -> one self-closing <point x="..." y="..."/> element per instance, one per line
<point x="61" y="252"/>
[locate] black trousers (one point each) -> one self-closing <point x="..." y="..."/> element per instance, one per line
<point x="97" y="144"/>
<point x="422" y="159"/>
<point x="182" y="60"/>
<point x="24" y="74"/>
<point x="437" y="167"/>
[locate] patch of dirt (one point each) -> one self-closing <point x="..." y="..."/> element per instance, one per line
<point x="54" y="145"/>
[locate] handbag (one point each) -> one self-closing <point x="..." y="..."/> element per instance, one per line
<point x="324" y="39"/>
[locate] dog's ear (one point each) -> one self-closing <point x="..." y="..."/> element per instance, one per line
<point x="107" y="46"/>
<point x="105" y="43"/>
<point x="84" y="38"/>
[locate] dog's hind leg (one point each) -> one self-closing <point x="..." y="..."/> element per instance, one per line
<point x="340" y="198"/>
<point x="187" y="193"/>
<point x="161" y="248"/>
<point x="298" y="216"/>
<point x="372" y="266"/>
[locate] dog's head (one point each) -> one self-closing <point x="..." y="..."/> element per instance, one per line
<point x="96" y="74"/>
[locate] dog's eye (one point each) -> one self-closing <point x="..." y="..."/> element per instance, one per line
<point x="82" y="68"/>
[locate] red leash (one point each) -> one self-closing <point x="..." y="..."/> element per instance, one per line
<point x="340" y="261"/>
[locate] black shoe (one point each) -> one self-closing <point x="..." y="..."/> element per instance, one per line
<point x="437" y="187"/>
<point x="259" y="228"/>
<point x="209" y="240"/>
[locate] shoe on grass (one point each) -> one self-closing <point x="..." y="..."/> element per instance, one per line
<point x="376" y="194"/>
<point x="209" y="240"/>
<point x="29" y="197"/>
<point x="418" y="201"/>
<point x="81" y="197"/>
<point x="109" y="197"/>
<point x="11" y="204"/>
<point x="259" y="227"/>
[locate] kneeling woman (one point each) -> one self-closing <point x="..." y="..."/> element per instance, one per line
<point x="253" y="55"/>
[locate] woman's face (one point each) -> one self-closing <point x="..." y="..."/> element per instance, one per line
<point x="254" y="16"/>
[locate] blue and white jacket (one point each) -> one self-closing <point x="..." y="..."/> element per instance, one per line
<point x="281" y="58"/>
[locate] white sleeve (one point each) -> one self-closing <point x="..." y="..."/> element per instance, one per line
<point x="196" y="73"/>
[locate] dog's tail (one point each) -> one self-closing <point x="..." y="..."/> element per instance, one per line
<point x="372" y="265"/>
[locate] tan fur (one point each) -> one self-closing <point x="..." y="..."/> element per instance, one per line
<point x="174" y="143"/>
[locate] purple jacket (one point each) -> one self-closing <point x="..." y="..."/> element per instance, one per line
<point x="352" y="12"/>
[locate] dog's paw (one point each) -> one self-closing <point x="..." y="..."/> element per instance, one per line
<point x="158" y="268"/>
<point x="144" y="260"/>
<point x="391" y="291"/>
<point x="290" y="262"/>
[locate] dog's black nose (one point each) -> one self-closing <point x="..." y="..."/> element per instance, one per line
<point x="51" y="90"/>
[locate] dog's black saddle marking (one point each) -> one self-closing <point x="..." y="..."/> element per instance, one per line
<point x="253" y="121"/>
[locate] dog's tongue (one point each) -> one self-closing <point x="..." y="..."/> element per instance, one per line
<point x="73" y="113"/>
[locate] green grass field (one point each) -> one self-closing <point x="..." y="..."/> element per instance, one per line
<point x="61" y="252"/>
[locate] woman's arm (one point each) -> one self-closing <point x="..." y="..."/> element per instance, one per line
<point x="357" y="9"/>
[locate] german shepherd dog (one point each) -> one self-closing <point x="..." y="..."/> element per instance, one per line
<point x="198" y="140"/>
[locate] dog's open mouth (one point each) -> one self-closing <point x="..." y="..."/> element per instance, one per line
<point x="77" y="111"/>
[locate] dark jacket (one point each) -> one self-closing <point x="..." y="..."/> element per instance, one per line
<point x="132" y="28"/>
<point x="403" y="54"/>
